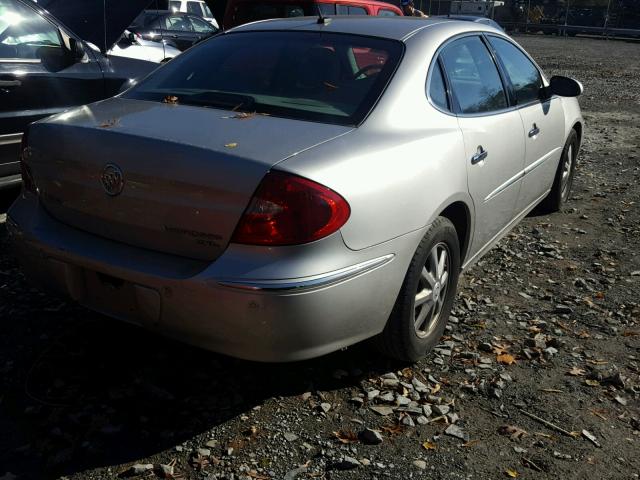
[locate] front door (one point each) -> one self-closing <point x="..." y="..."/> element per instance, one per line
<point x="542" y="121"/>
<point x="492" y="132"/>
<point x="39" y="75"/>
<point x="179" y="31"/>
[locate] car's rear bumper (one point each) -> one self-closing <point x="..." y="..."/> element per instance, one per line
<point x="266" y="304"/>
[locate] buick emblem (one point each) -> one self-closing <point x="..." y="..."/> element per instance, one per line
<point x="112" y="179"/>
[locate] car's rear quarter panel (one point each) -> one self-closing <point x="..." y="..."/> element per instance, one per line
<point x="402" y="166"/>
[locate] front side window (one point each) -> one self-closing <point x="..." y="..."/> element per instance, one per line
<point x="383" y="12"/>
<point x="304" y="75"/>
<point x="474" y="77"/>
<point x="524" y="75"/>
<point x="24" y="34"/>
<point x="200" y="26"/>
<point x="437" y="88"/>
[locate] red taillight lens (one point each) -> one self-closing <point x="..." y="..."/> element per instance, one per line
<point x="290" y="210"/>
<point x="25" y="170"/>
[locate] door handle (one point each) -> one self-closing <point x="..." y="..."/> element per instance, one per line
<point x="10" y="83"/>
<point x="534" y="131"/>
<point x="479" y="156"/>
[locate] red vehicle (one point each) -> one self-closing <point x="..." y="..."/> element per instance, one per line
<point x="239" y="12"/>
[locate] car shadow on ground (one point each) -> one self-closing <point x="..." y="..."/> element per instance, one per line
<point x="80" y="390"/>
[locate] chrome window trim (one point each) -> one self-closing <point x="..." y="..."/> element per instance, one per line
<point x="294" y="285"/>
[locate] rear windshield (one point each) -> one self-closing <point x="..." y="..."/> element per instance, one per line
<point x="325" y="77"/>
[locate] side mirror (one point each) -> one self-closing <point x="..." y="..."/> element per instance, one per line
<point x="565" y="86"/>
<point x="76" y="49"/>
<point x="131" y="37"/>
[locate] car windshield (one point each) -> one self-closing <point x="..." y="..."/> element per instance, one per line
<point x="333" y="78"/>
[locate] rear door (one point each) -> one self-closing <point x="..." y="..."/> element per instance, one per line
<point x="492" y="132"/>
<point x="39" y="75"/>
<point x="542" y="120"/>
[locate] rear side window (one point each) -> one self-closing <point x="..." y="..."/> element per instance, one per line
<point x="252" y="11"/>
<point x="305" y="75"/>
<point x="178" y="22"/>
<point x="351" y="10"/>
<point x="174" y="5"/>
<point x="522" y="73"/>
<point x="327" y="8"/>
<point x="437" y="89"/>
<point x="474" y="77"/>
<point x="383" y="12"/>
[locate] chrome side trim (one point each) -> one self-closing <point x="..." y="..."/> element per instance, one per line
<point x="528" y="169"/>
<point x="10" y="138"/>
<point x="540" y="161"/>
<point x="307" y="283"/>
<point x="498" y="236"/>
<point x="504" y="186"/>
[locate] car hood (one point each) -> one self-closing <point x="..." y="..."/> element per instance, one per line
<point x="100" y="22"/>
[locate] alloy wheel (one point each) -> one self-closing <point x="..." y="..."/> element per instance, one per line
<point x="432" y="290"/>
<point x="566" y="173"/>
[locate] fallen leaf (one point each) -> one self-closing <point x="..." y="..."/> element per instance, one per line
<point x="597" y="362"/>
<point x="231" y="145"/>
<point x="110" y="123"/>
<point x="470" y="443"/>
<point x="500" y="349"/>
<point x="170" y="99"/>
<point x="511" y="473"/>
<point x="630" y="333"/>
<point x="506" y="359"/>
<point x="435" y="389"/>
<point x="576" y="372"/>
<point x="515" y="433"/>
<point x="429" y="445"/>
<point x="393" y="429"/>
<point x="346" y="436"/>
<point x="592" y="383"/>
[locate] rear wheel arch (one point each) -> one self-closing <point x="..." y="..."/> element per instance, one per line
<point x="459" y="214"/>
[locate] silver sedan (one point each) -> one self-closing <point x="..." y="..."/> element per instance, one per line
<point x="292" y="187"/>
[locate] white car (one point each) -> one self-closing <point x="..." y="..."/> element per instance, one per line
<point x="195" y="7"/>
<point x="131" y="46"/>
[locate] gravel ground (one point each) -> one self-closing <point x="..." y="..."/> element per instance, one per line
<point x="537" y="376"/>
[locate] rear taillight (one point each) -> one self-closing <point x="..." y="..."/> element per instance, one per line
<point x="290" y="210"/>
<point x="25" y="170"/>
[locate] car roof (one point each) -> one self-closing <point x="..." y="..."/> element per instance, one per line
<point x="394" y="28"/>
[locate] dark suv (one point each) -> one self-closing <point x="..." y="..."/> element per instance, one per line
<point x="180" y="30"/>
<point x="46" y="68"/>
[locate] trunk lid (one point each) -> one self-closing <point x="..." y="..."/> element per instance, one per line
<point x="188" y="172"/>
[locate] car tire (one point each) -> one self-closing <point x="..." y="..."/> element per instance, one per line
<point x="412" y="330"/>
<point x="563" y="180"/>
